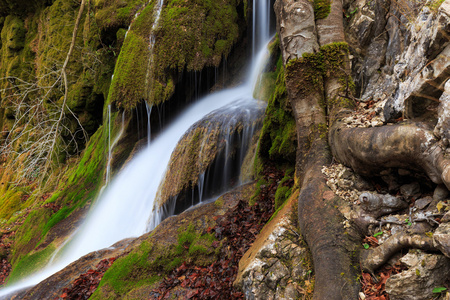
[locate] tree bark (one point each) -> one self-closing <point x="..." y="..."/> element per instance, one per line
<point x="332" y="247"/>
<point x="369" y="151"/>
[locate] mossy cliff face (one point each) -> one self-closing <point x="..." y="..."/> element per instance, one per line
<point x="189" y="36"/>
<point x="21" y="7"/>
<point x="33" y="48"/>
<point x="278" y="141"/>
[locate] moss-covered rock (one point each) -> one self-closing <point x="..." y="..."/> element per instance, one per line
<point x="189" y="35"/>
<point x="210" y="154"/>
<point x="181" y="238"/>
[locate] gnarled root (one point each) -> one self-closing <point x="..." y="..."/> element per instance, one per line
<point x="374" y="206"/>
<point x="375" y="258"/>
<point x="370" y="150"/>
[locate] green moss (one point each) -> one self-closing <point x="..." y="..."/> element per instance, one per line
<point x="30" y="264"/>
<point x="112" y="14"/>
<point x="79" y="185"/>
<point x="278" y="140"/>
<point x="130" y="271"/>
<point x="190" y="35"/>
<point x="255" y="196"/>
<point x="10" y="202"/>
<point x="310" y="70"/>
<point x="29" y="234"/>
<point x="322" y="9"/>
<point x="281" y="195"/>
<point x="125" y="89"/>
<point x="151" y="261"/>
<point x="435" y="4"/>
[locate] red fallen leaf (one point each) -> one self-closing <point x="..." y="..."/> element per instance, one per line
<point x="63" y="295"/>
<point x="192" y="293"/>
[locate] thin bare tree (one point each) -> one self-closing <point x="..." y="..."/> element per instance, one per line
<point x="35" y="137"/>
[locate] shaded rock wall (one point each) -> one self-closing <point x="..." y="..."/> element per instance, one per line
<point x="398" y="56"/>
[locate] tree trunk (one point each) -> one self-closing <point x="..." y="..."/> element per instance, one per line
<point x="332" y="247"/>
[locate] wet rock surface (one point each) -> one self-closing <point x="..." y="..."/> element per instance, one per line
<point x="209" y="155"/>
<point x="81" y="278"/>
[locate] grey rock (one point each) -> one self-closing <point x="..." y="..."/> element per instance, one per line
<point x="291" y="293"/>
<point x="410" y="189"/>
<point x="446" y="217"/>
<point x="277" y="272"/>
<point x="440" y="192"/>
<point x="417" y="283"/>
<point x="423" y="202"/>
<point x="441" y="238"/>
<point x="361" y="184"/>
<point x="403" y="172"/>
<point x="442" y="129"/>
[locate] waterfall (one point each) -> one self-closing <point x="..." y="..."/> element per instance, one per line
<point x="124" y="207"/>
<point x="151" y="44"/>
<point x="113" y="144"/>
<point x="148" y="108"/>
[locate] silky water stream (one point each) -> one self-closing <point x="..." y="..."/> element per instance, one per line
<point x="125" y="208"/>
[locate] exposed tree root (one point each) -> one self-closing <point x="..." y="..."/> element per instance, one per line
<point x="333" y="249"/>
<point x="378" y="205"/>
<point x="375" y="258"/>
<point x="374" y="206"/>
<point x="370" y="150"/>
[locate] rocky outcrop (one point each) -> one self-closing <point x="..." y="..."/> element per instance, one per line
<point x="162" y="239"/>
<point x="278" y="264"/>
<point x="398" y="55"/>
<point x="209" y="156"/>
<point x="426" y="272"/>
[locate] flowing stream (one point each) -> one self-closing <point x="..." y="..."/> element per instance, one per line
<point x="124" y="207"/>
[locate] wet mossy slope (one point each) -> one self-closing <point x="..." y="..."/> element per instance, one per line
<point x="189" y="36"/>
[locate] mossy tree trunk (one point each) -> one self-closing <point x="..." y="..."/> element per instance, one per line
<point x="319" y="87"/>
<point x="310" y="81"/>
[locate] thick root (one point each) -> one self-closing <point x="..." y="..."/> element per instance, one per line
<point x="375" y="258"/>
<point x="332" y="246"/>
<point x="377" y="205"/>
<point x="368" y="151"/>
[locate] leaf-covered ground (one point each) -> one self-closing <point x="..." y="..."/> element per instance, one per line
<point x="235" y="232"/>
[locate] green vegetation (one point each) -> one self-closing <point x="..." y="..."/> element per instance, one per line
<point x="435" y="4"/>
<point x="153" y="259"/>
<point x="322" y="9"/>
<point x="190" y="35"/>
<point x="31" y="263"/>
<point x="283" y="192"/>
<point x="78" y="185"/>
<point x="29" y="234"/>
<point x="278" y="140"/>
<point x="310" y="70"/>
<point x="116" y="13"/>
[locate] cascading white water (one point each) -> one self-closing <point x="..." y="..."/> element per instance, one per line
<point x="123" y="209"/>
<point x="151" y="44"/>
<point x="113" y="144"/>
<point x="148" y="108"/>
